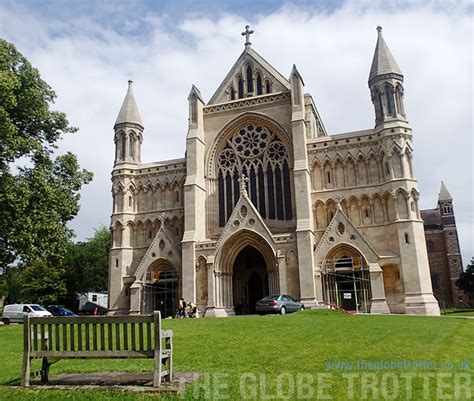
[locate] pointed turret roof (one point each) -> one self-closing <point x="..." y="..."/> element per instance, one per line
<point x="295" y="71"/>
<point x="129" y="110"/>
<point x="444" y="194"/>
<point x="383" y="61"/>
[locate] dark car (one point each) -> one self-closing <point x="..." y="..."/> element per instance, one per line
<point x="281" y="304"/>
<point x="59" y="310"/>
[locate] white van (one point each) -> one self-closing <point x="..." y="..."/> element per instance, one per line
<point x="15" y="312"/>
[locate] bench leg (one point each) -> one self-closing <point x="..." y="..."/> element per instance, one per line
<point x="158" y="368"/>
<point x="45" y="371"/>
<point x="25" y="378"/>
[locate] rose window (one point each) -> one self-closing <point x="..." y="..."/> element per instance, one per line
<point x="250" y="141"/>
<point x="262" y="157"/>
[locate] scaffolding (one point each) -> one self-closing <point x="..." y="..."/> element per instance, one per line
<point x="161" y="293"/>
<point x="346" y="283"/>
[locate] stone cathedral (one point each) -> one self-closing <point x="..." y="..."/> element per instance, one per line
<point x="266" y="202"/>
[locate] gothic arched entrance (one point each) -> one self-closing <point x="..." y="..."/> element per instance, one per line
<point x="250" y="280"/>
<point x="160" y="290"/>
<point x="245" y="271"/>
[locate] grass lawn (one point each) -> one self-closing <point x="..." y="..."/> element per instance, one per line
<point x="459" y="312"/>
<point x="254" y="351"/>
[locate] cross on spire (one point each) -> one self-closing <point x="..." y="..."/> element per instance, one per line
<point x="247" y="34"/>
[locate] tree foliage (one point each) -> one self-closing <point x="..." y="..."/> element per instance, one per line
<point x="86" y="264"/>
<point x="466" y="281"/>
<point x="39" y="193"/>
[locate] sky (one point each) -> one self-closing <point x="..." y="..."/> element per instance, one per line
<point x="88" y="50"/>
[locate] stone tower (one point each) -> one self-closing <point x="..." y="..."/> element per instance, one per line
<point x="128" y="140"/>
<point x="391" y="126"/>
<point x="453" y="255"/>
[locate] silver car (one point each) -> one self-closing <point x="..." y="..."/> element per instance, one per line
<point x="281" y="304"/>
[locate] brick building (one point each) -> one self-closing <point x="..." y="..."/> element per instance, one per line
<point x="444" y="253"/>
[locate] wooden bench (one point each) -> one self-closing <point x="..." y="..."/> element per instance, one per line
<point x="84" y="337"/>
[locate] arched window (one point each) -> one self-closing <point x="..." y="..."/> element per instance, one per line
<point x="241" y="88"/>
<point x="399" y="100"/>
<point x="259" y="85"/>
<point x="389" y="96"/>
<point x="387" y="169"/>
<point x="381" y="112"/>
<point x="259" y="154"/>
<point x="249" y="79"/>
<point x="407" y="238"/>
<point x="232" y="93"/>
<point x="447" y="209"/>
<point x="268" y="88"/>
<point x="123" y="145"/>
<point x="131" y="146"/>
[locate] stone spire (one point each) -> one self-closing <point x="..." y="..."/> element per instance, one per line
<point x="444" y="194"/>
<point x="383" y="62"/>
<point x="129" y="110"/>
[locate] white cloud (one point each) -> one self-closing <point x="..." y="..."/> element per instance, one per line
<point x="88" y="64"/>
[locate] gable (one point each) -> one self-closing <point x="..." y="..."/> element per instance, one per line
<point x="163" y="246"/>
<point x="245" y="216"/>
<point x="278" y="82"/>
<point x="341" y="230"/>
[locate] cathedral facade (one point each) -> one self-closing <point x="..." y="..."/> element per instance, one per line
<point x="266" y="202"/>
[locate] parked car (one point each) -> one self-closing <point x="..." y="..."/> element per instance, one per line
<point x="15" y="312"/>
<point x="59" y="310"/>
<point x="281" y="304"/>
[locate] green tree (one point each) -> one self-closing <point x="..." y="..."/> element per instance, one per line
<point x="39" y="193"/>
<point x="466" y="281"/>
<point x="86" y="264"/>
<point x="42" y="282"/>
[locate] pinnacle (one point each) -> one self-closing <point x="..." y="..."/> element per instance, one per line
<point x="129" y="111"/>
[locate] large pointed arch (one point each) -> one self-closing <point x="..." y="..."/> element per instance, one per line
<point x="228" y="252"/>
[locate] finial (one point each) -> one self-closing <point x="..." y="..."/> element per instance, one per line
<point x="338" y="199"/>
<point x="247" y="34"/>
<point x="130" y="82"/>
<point x="379" y="29"/>
<point x="162" y="218"/>
<point x="243" y="184"/>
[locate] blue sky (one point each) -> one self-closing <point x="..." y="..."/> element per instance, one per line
<point x="87" y="50"/>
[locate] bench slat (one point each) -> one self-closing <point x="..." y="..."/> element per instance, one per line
<point x="148" y="336"/>
<point x="102" y="337"/>
<point x="125" y="336"/>
<point x="134" y="345"/>
<point x="109" y="336"/>
<point x="64" y="337"/>
<point x="117" y="336"/>
<point x="140" y="335"/>
<point x="94" y="337"/>
<point x="71" y="337"/>
<point x="92" y="319"/>
<point x="87" y="337"/>
<point x="92" y="354"/>
<point x="79" y="337"/>
<point x="56" y="336"/>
